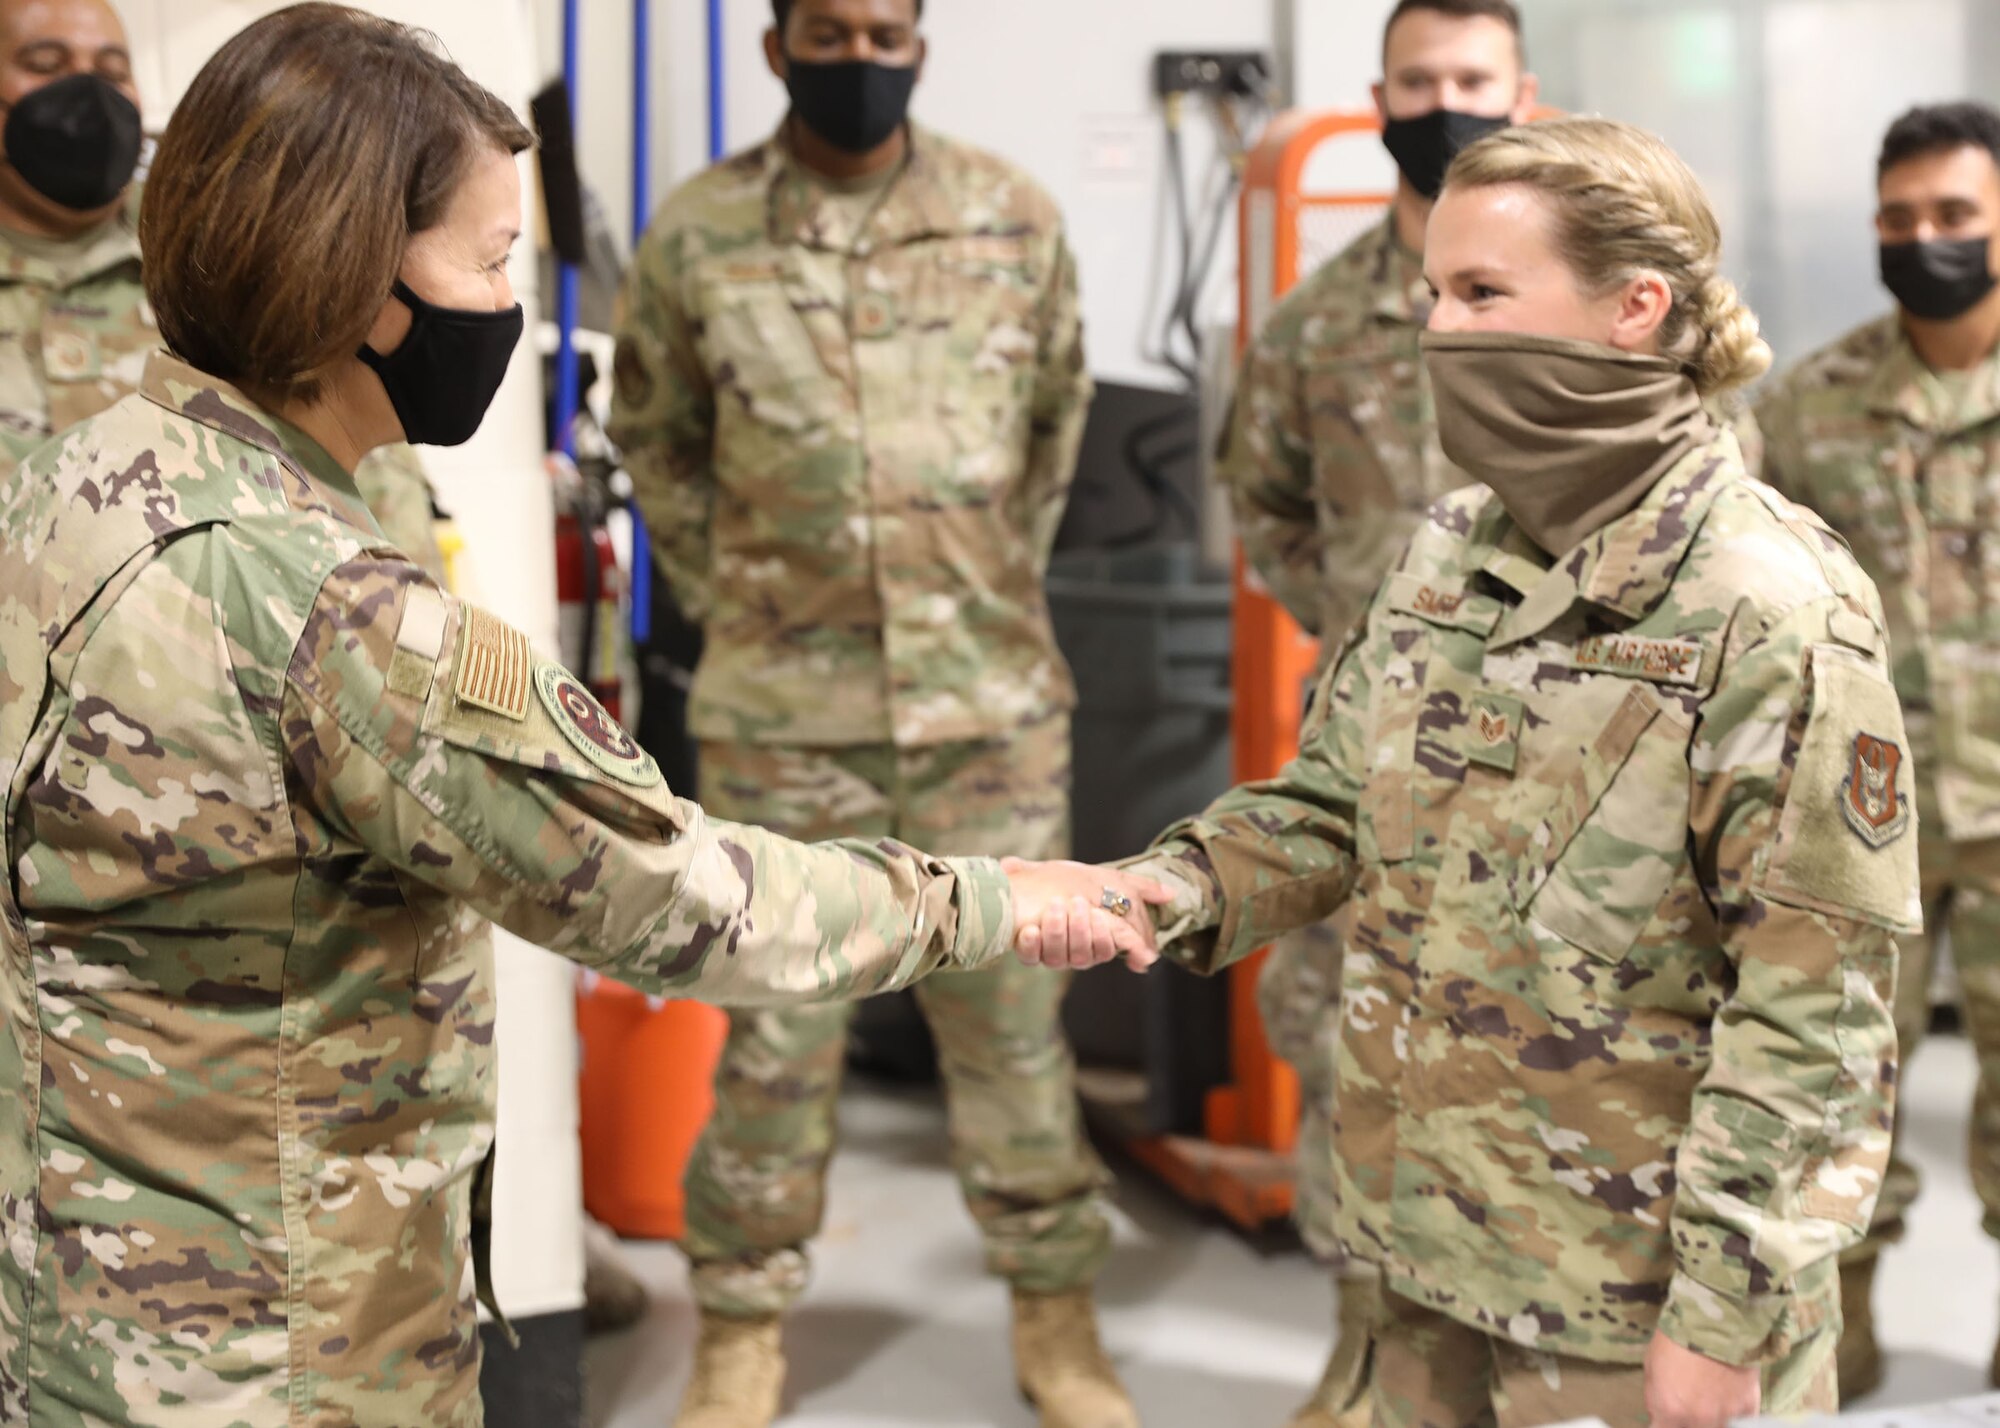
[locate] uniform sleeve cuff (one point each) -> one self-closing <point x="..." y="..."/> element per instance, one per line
<point x="985" y="911"/>
<point x="1716" y="1326"/>
<point x="1186" y="925"/>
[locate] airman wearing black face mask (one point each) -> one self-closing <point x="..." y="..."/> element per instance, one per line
<point x="1893" y="435"/>
<point x="74" y="327"/>
<point x="850" y="389"/>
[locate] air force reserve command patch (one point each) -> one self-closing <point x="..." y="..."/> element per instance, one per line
<point x="596" y="735"/>
<point x="1873" y="800"/>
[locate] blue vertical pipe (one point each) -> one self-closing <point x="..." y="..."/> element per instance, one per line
<point x="642" y="207"/>
<point x="567" y="395"/>
<point x="718" y="129"/>
<point x="718" y="138"/>
<point x="642" y="116"/>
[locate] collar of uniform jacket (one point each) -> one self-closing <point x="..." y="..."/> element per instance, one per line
<point x="314" y="478"/>
<point x="56" y="263"/>
<point x="1625" y="568"/>
<point x="921" y="202"/>
<point x="1903" y="387"/>
<point x="1400" y="294"/>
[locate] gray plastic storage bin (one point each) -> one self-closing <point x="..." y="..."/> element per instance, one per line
<point x="1148" y="637"/>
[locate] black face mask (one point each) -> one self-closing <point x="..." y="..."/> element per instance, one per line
<point x="1425" y="146"/>
<point x="1940" y="280"/>
<point x="448" y="370"/>
<point x="75" y="142"/>
<point x="855" y="105"/>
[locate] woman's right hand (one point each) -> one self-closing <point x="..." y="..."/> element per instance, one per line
<point x="1060" y="920"/>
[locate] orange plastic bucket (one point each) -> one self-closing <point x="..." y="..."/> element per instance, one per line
<point x="646" y="1091"/>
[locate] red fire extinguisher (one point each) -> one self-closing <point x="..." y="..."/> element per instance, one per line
<point x="590" y="589"/>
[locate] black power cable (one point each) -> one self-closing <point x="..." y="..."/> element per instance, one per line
<point x="1198" y="244"/>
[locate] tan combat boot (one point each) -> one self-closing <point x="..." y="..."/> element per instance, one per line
<point x="613" y="1297"/>
<point x="1329" y="1407"/>
<point x="739" y="1371"/>
<point x="1859" y="1358"/>
<point x="1062" y="1367"/>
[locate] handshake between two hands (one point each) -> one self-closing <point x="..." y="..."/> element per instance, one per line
<point x="1074" y="915"/>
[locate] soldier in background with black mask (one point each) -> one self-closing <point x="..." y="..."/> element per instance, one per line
<point x="74" y="328"/>
<point x="1893" y="435"/>
<point x="850" y="391"/>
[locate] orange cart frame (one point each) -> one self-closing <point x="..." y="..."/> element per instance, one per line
<point x="1242" y="1166"/>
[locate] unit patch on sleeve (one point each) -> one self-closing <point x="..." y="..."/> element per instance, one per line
<point x="1862" y="860"/>
<point x="596" y="735"/>
<point x="1872" y="799"/>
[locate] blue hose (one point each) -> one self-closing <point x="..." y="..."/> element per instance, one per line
<point x="718" y="126"/>
<point x="718" y="138"/>
<point x="642" y="207"/>
<point x="567" y="395"/>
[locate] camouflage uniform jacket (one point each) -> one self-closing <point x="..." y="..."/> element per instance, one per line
<point x="1332" y="457"/>
<point x="1602" y="1070"/>
<point x="74" y="330"/>
<point x="1909" y="473"/>
<point x="397" y="491"/>
<point x="261" y="774"/>
<point x="853" y="449"/>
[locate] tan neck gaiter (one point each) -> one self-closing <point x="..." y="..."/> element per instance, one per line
<point x="1570" y="435"/>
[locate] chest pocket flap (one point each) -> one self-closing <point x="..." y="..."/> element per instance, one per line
<point x="1419" y="615"/>
<point x="1614" y="834"/>
<point x="755" y="313"/>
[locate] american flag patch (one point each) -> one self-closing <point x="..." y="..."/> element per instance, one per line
<point x="496" y="667"/>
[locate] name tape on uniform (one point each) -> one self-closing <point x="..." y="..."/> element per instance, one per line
<point x="1451" y="606"/>
<point x="1661" y="661"/>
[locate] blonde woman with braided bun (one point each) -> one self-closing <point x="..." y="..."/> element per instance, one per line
<point x="1609" y="797"/>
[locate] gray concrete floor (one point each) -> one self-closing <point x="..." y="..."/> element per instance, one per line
<point x="901" y="1327"/>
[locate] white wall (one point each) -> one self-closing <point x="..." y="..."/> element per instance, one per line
<point x="1336" y="51"/>
<point x="1780" y="106"/>
<point x="1061" y="86"/>
<point x="496" y="487"/>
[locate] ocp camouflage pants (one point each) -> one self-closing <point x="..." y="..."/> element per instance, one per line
<point x="756" y="1189"/>
<point x="1961" y="894"/>
<point x="1425" y="1370"/>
